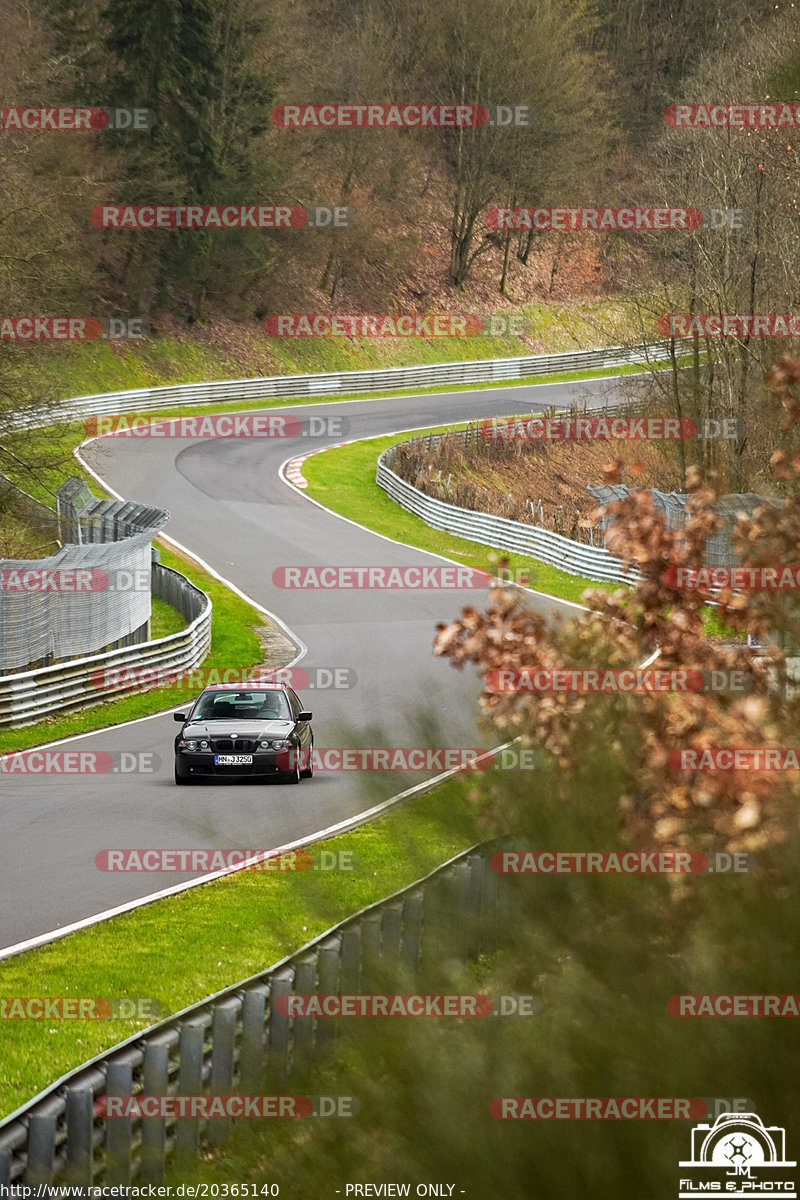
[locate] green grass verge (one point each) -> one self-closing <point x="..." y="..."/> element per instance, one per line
<point x="343" y="479"/>
<point x="164" y="619"/>
<point x="86" y="368"/>
<point x="717" y="628"/>
<point x="185" y="947"/>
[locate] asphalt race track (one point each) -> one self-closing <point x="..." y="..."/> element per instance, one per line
<point x="230" y="507"/>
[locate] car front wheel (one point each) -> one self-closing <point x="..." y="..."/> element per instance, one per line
<point x="308" y="770"/>
<point x="292" y="776"/>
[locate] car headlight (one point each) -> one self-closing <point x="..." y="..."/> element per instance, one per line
<point x="190" y="745"/>
<point x="280" y="744"/>
<point x="204" y="745"/>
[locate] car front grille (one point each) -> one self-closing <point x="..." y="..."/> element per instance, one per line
<point x="229" y="746"/>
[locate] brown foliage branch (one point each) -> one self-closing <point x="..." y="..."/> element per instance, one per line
<point x="635" y="733"/>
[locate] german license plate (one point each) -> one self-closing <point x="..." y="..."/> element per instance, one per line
<point x="233" y="760"/>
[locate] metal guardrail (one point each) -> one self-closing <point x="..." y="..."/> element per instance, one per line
<point x="576" y="558"/>
<point x="344" y="382"/>
<point x="68" y="679"/>
<point x="28" y="696"/>
<point x="472" y="433"/>
<point x="223" y="1044"/>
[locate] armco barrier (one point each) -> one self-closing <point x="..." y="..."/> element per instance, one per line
<point x="222" y="1045"/>
<point x="66" y="683"/>
<point x="30" y="695"/>
<point x="344" y="382"/>
<point x="576" y="558"/>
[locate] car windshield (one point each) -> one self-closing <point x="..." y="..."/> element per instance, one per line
<point x="243" y="706"/>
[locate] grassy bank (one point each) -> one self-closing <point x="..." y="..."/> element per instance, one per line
<point x="343" y="479"/>
<point x="179" y="949"/>
<point x="229" y="350"/>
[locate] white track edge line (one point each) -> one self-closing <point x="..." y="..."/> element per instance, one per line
<point x="56" y="935"/>
<point x="443" y="558"/>
<point x="45" y="939"/>
<point x="344" y="826"/>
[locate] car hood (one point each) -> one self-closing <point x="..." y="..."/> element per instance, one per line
<point x="248" y="729"/>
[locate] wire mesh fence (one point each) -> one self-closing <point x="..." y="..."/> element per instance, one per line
<point x="26" y="697"/>
<point x="719" y="549"/>
<point x="93" y="594"/>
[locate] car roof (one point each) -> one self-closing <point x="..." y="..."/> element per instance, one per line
<point x="252" y="685"/>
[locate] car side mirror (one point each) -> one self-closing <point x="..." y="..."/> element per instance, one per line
<point x="305" y="715"/>
<point x="179" y="717"/>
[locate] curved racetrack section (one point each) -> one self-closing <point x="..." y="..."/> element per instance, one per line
<point x="231" y="508"/>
